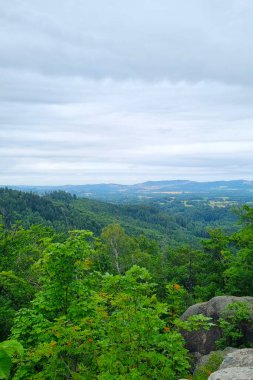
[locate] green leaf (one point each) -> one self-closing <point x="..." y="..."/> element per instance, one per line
<point x="12" y="347"/>
<point x="5" y="365"/>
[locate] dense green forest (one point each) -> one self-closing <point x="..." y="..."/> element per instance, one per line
<point x="168" y="221"/>
<point x="90" y="290"/>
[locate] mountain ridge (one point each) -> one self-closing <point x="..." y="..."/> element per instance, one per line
<point x="149" y="189"/>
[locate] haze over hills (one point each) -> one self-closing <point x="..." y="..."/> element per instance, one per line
<point x="151" y="189"/>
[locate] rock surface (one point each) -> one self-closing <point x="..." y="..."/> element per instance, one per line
<point x="203" y="360"/>
<point x="238" y="358"/>
<point x="237" y="365"/>
<point x="233" y="373"/>
<point x="204" y="341"/>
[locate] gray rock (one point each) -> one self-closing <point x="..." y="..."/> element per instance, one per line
<point x="237" y="365"/>
<point x="233" y="373"/>
<point x="194" y="359"/>
<point x="238" y="358"/>
<point x="228" y="350"/>
<point x="204" y="341"/>
<point x="215" y="306"/>
<point x="203" y="360"/>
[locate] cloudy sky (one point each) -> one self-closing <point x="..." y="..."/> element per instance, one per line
<point x="125" y="90"/>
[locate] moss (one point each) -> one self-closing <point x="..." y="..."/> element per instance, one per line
<point x="205" y="370"/>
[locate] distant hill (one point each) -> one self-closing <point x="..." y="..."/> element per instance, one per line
<point x="63" y="212"/>
<point x="171" y="220"/>
<point x="151" y="190"/>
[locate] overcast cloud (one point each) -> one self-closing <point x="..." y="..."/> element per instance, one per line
<point x="125" y="91"/>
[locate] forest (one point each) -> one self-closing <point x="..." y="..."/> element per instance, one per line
<point x="94" y="290"/>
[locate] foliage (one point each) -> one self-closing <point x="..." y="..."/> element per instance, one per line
<point x="232" y="325"/>
<point x="19" y="250"/>
<point x="82" y="325"/>
<point x="239" y="274"/>
<point x="8" y="351"/>
<point x="15" y="292"/>
<point x="138" y="343"/>
<point x="176" y="298"/>
<point x="204" y="371"/>
<point x="165" y="221"/>
<point x="108" y="307"/>
<point x="183" y="266"/>
<point x="214" y="262"/>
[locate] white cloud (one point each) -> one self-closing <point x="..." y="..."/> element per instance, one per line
<point x="126" y="91"/>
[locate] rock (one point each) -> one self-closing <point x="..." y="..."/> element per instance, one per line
<point x="237" y="365"/>
<point x="203" y="360"/>
<point x="228" y="350"/>
<point x="238" y="358"/>
<point x="233" y="373"/>
<point x="203" y="341"/>
<point x="194" y="359"/>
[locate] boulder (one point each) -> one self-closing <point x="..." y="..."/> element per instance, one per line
<point x="238" y="358"/>
<point x="203" y="360"/>
<point x="237" y="365"/>
<point x="203" y="341"/>
<point x="233" y="373"/>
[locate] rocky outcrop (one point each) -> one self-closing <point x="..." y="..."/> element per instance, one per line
<point x="203" y="341"/>
<point x="238" y="358"/>
<point x="233" y="373"/>
<point x="203" y="360"/>
<point x="237" y="365"/>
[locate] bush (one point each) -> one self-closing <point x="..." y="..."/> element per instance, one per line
<point x="232" y="324"/>
<point x="205" y="370"/>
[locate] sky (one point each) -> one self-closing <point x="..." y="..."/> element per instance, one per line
<point x="125" y="91"/>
